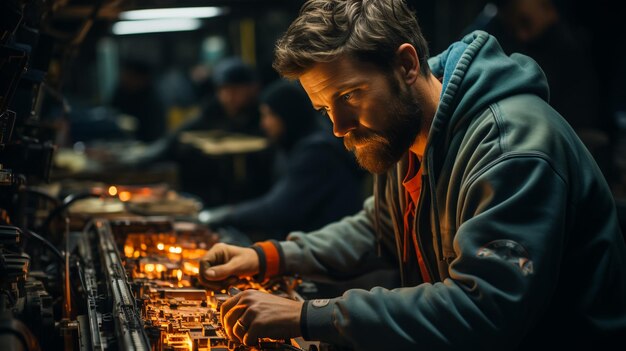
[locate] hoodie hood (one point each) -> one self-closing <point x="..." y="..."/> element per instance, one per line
<point x="476" y="72"/>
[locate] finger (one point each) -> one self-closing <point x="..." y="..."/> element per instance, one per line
<point x="230" y="320"/>
<point x="251" y="335"/>
<point x="228" y="305"/>
<point x="239" y="330"/>
<point x="250" y="338"/>
<point x="216" y="255"/>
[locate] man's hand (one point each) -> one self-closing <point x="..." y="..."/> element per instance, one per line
<point x="253" y="314"/>
<point x="228" y="260"/>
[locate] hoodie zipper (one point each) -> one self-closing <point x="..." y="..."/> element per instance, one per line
<point x="396" y="232"/>
<point x="418" y="229"/>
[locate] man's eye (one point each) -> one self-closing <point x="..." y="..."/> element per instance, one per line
<point x="346" y="97"/>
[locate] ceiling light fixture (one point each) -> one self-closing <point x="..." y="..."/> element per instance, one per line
<point x="156" y="26"/>
<point x="176" y="12"/>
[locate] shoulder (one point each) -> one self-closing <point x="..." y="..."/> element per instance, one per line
<point x="520" y="126"/>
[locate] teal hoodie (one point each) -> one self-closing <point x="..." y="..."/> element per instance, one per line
<point x="515" y="221"/>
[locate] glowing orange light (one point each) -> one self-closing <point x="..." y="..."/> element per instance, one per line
<point x="160" y="268"/>
<point x="191" y="268"/>
<point x="179" y="274"/>
<point x="175" y="249"/>
<point x="160" y="246"/>
<point x="125" y="195"/>
<point x="136" y="254"/>
<point x="112" y="190"/>
<point x="149" y="267"/>
<point x="143" y="246"/>
<point x="128" y="251"/>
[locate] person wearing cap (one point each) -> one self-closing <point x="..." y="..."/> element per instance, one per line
<point x="318" y="182"/>
<point x="232" y="108"/>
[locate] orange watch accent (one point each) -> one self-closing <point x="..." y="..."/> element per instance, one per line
<point x="272" y="258"/>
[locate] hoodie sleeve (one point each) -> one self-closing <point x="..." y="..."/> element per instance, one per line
<point x="507" y="246"/>
<point x="338" y="251"/>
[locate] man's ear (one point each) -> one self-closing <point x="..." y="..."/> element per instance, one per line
<point x="408" y="63"/>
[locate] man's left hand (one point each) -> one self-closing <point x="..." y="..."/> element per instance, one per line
<point x="253" y="314"/>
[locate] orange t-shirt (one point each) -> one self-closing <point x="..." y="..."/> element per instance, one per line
<point x="412" y="184"/>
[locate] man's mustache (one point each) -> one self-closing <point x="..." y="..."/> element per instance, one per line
<point x="360" y="137"/>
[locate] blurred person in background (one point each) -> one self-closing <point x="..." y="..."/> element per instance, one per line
<point x="233" y="107"/>
<point x="317" y="181"/>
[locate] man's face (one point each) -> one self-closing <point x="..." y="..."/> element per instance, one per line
<point x="236" y="98"/>
<point x="271" y="123"/>
<point x="373" y="111"/>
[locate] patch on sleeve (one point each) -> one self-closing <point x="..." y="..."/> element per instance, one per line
<point x="320" y="303"/>
<point x="510" y="251"/>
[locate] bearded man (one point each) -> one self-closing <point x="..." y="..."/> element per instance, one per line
<point x="502" y="227"/>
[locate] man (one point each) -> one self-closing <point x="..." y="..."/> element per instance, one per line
<point x="502" y="226"/>
<point x="233" y="108"/>
<point x="317" y="181"/>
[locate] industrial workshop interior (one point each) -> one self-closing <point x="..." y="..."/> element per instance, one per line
<point x="148" y="145"/>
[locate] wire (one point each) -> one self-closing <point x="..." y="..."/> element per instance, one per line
<point x="67" y="202"/>
<point x="47" y="244"/>
<point x="43" y="195"/>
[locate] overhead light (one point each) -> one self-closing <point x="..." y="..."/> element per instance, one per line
<point x="175" y="12"/>
<point x="156" y="26"/>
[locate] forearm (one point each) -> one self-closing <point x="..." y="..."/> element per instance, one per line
<point x="340" y="250"/>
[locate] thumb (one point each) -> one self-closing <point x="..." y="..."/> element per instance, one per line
<point x="220" y="272"/>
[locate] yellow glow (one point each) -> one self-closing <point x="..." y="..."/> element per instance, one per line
<point x="136" y="254"/>
<point x="179" y="274"/>
<point x="125" y="195"/>
<point x="143" y="246"/>
<point x="160" y="268"/>
<point x="160" y="246"/>
<point x="191" y="268"/>
<point x="112" y="190"/>
<point x="176" y="249"/>
<point x="149" y="267"/>
<point x="128" y="251"/>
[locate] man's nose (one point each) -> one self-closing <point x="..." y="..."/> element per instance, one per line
<point x="343" y="122"/>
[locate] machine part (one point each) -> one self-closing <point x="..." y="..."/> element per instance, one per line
<point x="152" y="289"/>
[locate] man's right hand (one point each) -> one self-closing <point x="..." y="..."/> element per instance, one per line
<point x="228" y="260"/>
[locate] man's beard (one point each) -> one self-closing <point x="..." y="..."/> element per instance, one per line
<point x="377" y="151"/>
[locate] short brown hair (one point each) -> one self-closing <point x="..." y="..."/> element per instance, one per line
<point x="368" y="30"/>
